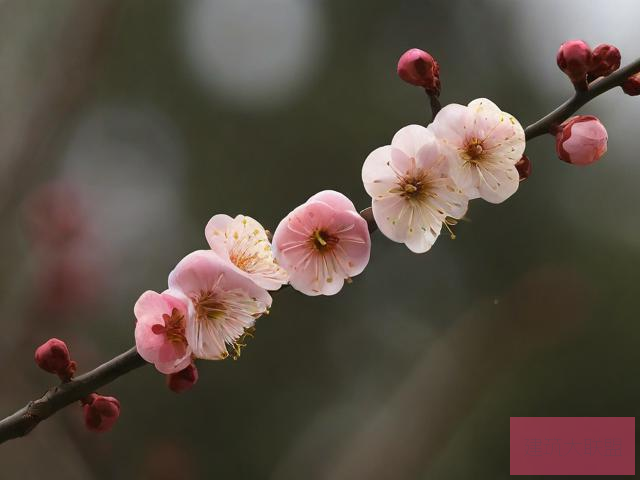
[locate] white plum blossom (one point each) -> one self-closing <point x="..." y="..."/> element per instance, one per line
<point x="411" y="190"/>
<point x="244" y="242"/>
<point x="223" y="303"/>
<point x="482" y="144"/>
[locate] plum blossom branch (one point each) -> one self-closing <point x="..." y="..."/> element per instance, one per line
<point x="77" y="389"/>
<point x="58" y="397"/>
<point x="579" y="99"/>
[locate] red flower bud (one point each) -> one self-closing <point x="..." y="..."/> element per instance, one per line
<point x="581" y="140"/>
<point x="605" y="60"/>
<point x="419" y="68"/>
<point x="574" y="59"/>
<point x="183" y="380"/>
<point x="100" y="413"/>
<point x="53" y="357"/>
<point x="524" y="167"/>
<point x="631" y="85"/>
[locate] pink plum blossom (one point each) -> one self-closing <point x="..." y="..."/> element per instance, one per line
<point x="581" y="140"/>
<point x="322" y="244"/>
<point x="411" y="189"/>
<point x="245" y="243"/>
<point x="483" y="145"/>
<point x="224" y="303"/>
<point x="160" y="330"/>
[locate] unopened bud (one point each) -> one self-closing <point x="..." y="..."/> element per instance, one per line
<point x="574" y="59"/>
<point x="419" y="68"/>
<point x="605" y="60"/>
<point x="100" y="413"/>
<point x="581" y="140"/>
<point x="53" y="357"/>
<point x="183" y="380"/>
<point x="631" y="85"/>
<point x="524" y="167"/>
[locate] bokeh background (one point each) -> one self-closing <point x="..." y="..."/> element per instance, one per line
<point x="125" y="125"/>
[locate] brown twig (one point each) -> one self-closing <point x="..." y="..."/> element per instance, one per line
<point x="27" y="418"/>
<point x="580" y="98"/>
<point x="58" y="397"/>
<point x="434" y="103"/>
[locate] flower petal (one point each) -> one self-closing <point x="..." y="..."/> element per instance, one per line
<point x="497" y="183"/>
<point x="410" y="139"/>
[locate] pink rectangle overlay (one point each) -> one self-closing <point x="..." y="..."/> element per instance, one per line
<point x="573" y="446"/>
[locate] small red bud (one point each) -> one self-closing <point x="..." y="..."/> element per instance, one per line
<point x="183" y="380"/>
<point x="53" y="357"/>
<point x="419" y="68"/>
<point x="631" y="85"/>
<point x="581" y="140"/>
<point x="604" y="61"/>
<point x="574" y="59"/>
<point x="524" y="167"/>
<point x="100" y="413"/>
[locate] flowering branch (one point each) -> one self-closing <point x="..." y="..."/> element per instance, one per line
<point x="417" y="68"/>
<point x="581" y="97"/>
<point x="58" y="397"/>
<point x="77" y="389"/>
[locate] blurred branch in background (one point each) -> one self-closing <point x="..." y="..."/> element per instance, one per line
<point x="66" y="80"/>
<point x="417" y="421"/>
<point x="51" y="56"/>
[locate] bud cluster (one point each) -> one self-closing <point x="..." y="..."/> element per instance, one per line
<point x="583" y="65"/>
<point x="100" y="413"/>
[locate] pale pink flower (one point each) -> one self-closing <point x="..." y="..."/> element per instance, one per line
<point x="225" y="303"/>
<point x="581" y="140"/>
<point x="483" y="145"/>
<point x="411" y="189"/>
<point x="245" y="243"/>
<point x="160" y="330"/>
<point x="322" y="243"/>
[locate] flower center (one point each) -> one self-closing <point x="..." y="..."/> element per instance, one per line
<point x="224" y="317"/>
<point x="173" y="329"/>
<point x="414" y="186"/>
<point x="244" y="261"/>
<point x="322" y="240"/>
<point x="208" y="306"/>
<point x="474" y="149"/>
<point x="410" y="189"/>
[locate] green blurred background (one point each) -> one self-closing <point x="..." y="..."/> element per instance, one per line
<point x="125" y="125"/>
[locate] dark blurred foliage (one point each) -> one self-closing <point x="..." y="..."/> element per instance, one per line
<point x="410" y="372"/>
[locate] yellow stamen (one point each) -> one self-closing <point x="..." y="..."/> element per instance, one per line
<point x="319" y="238"/>
<point x="453" y="235"/>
